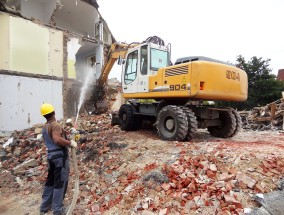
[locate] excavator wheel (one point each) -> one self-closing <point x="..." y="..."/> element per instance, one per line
<point x="238" y="122"/>
<point x="127" y="120"/>
<point x="172" y="123"/>
<point x="192" y="122"/>
<point x="227" y="127"/>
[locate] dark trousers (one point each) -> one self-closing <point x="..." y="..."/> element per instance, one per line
<point x="56" y="184"/>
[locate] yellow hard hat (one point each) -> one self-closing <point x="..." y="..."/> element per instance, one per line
<point x="46" y="109"/>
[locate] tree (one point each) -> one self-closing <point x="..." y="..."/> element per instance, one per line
<point x="263" y="88"/>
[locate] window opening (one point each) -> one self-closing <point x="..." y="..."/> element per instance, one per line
<point x="144" y="60"/>
<point x="131" y="67"/>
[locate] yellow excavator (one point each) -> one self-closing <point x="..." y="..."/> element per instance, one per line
<point x="176" y="91"/>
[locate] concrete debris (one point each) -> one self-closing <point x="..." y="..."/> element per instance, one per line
<point x="269" y="117"/>
<point x="137" y="173"/>
<point x="156" y="176"/>
<point x="246" y="180"/>
<point x="256" y="211"/>
<point x="281" y="184"/>
<point x="116" y="145"/>
<point x="9" y="141"/>
<point x="25" y="165"/>
<point x="272" y="203"/>
<point x="38" y="130"/>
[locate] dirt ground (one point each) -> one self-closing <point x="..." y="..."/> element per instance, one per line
<point x="114" y="166"/>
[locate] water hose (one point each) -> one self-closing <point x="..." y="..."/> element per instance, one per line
<point x="76" y="188"/>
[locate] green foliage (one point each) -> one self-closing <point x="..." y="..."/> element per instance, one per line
<point x="263" y="88"/>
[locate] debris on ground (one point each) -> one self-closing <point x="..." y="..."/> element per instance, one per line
<point x="137" y="173"/>
<point x="271" y="203"/>
<point x="269" y="117"/>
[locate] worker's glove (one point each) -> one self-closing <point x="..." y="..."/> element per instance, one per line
<point x="73" y="144"/>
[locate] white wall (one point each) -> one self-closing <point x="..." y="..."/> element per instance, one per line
<point x="21" y="98"/>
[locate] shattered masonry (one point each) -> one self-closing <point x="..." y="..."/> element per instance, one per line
<point x="136" y="172"/>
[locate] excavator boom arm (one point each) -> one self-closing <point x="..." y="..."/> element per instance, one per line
<point x="97" y="103"/>
<point x="117" y="50"/>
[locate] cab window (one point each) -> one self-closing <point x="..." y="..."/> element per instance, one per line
<point x="144" y="60"/>
<point x="159" y="59"/>
<point x="131" y="67"/>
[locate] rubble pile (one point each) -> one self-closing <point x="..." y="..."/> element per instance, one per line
<point x="137" y="173"/>
<point x="269" y="117"/>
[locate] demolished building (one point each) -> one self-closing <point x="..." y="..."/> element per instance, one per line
<point x="47" y="49"/>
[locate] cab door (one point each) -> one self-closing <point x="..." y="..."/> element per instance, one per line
<point x="143" y="77"/>
<point x="130" y="79"/>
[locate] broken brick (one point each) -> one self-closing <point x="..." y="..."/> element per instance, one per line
<point x="191" y="187"/>
<point x="210" y="174"/>
<point x="213" y="167"/>
<point x="259" y="188"/>
<point x="230" y="200"/>
<point x="246" y="180"/>
<point x="164" y="211"/>
<point x="226" y="177"/>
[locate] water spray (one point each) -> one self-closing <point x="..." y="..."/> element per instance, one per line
<point x="74" y="133"/>
<point x="87" y="82"/>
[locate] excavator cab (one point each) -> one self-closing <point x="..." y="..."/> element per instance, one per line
<point x="141" y="62"/>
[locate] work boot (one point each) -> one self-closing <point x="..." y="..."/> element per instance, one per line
<point x="42" y="212"/>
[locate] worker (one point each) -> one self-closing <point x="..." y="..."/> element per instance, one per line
<point x="58" y="164"/>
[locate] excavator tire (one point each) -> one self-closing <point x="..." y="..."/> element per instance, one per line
<point x="228" y="126"/>
<point x="238" y="122"/>
<point x="192" y="122"/>
<point x="172" y="123"/>
<point x="127" y="120"/>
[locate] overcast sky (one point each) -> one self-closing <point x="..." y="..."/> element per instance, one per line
<point x="219" y="29"/>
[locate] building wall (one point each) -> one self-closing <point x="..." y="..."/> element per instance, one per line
<point x="4" y="41"/>
<point x="30" y="47"/>
<point x="20" y="104"/>
<point x="31" y="72"/>
<point x="280" y="75"/>
<point x="40" y="63"/>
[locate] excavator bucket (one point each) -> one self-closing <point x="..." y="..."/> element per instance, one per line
<point x="102" y="107"/>
<point x="96" y="108"/>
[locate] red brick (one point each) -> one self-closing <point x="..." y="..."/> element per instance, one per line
<point x="226" y="177"/>
<point x="246" y="180"/>
<point x="274" y="171"/>
<point x="222" y="168"/>
<point x="168" y="192"/>
<point x="229" y="186"/>
<point x="230" y="200"/>
<point x="158" y="188"/>
<point x="259" y="188"/>
<point x="219" y="184"/>
<point x="232" y="207"/>
<point x="225" y="212"/>
<point x="266" y="165"/>
<point x="213" y="167"/>
<point x="232" y="171"/>
<point x="242" y="185"/>
<point x="191" y="187"/>
<point x="166" y="186"/>
<point x="210" y="174"/>
<point x="164" y="211"/>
